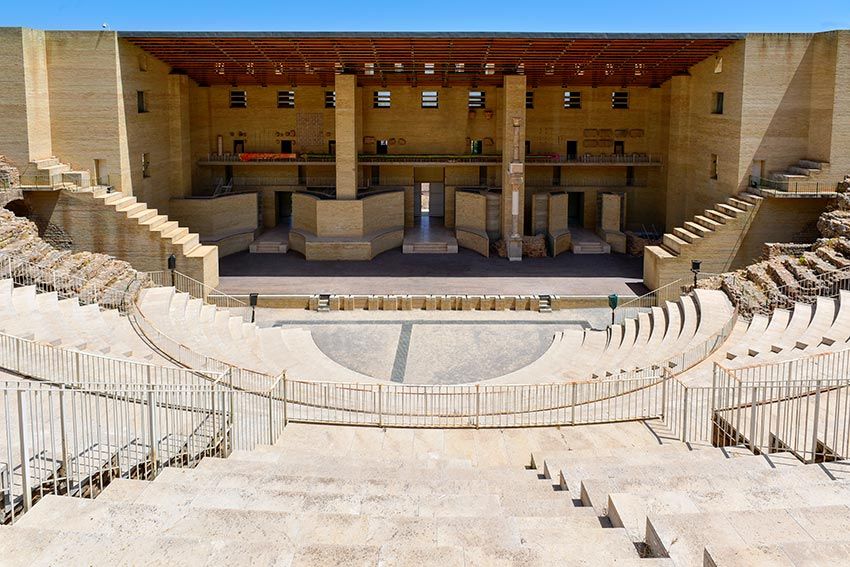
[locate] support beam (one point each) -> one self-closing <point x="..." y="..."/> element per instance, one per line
<point x="345" y="118"/>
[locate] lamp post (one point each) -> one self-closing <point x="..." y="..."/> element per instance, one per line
<point x="613" y="301"/>
<point x="172" y="267"/>
<point x="695" y="264"/>
<point x="252" y="299"/>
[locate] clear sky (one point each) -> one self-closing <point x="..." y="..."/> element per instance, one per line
<point x="433" y="15"/>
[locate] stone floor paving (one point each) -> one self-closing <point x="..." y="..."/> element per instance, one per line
<point x="433" y="347"/>
<point x="463" y="273"/>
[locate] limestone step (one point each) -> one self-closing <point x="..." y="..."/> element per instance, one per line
<point x="674" y="243"/>
<point x="718" y="216"/>
<point x="685" y="235"/>
<point x="707" y="222"/>
<point x="729" y="210"/>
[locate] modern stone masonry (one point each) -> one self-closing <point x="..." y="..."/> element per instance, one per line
<point x="758" y="108"/>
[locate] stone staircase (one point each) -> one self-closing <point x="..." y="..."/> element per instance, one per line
<point x="586" y="242"/>
<point x="51" y="175"/>
<point x="657" y="336"/>
<point x="268" y="247"/>
<point x="431" y="248"/>
<point x="65" y="323"/>
<point x="713" y="237"/>
<point x="803" y="170"/>
<point x="688" y="503"/>
<point x="612" y="494"/>
<point x="328" y="496"/>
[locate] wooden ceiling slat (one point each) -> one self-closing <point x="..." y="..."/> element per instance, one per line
<point x="546" y="60"/>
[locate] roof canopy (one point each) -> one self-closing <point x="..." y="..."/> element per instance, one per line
<point x="430" y="58"/>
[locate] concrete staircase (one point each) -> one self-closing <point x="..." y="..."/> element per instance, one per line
<point x="64" y="323"/>
<point x="51" y="175"/>
<point x="713" y="237"/>
<point x="449" y="247"/>
<point x="342" y="496"/>
<point x="217" y="334"/>
<point x="684" y="503"/>
<point x="586" y="242"/>
<point x="806" y="329"/>
<point x="655" y="337"/>
<point x="803" y="170"/>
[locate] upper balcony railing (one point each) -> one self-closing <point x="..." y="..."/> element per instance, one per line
<point x="594" y="159"/>
<point x="633" y="159"/>
<point x="266" y="157"/>
<point x="466" y="159"/>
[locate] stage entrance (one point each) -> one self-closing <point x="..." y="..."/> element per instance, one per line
<point x="428" y="234"/>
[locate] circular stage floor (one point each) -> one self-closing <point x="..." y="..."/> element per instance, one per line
<point x="433" y="347"/>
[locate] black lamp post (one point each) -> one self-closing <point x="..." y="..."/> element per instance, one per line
<point x="695" y="264"/>
<point x="252" y="300"/>
<point x="172" y="267"/>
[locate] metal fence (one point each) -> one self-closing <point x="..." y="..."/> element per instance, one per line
<point x="66" y="284"/>
<point x="199" y="290"/>
<point x="827" y="284"/>
<point x="808" y="187"/>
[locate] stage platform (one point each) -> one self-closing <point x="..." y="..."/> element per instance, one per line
<point x="463" y="273"/>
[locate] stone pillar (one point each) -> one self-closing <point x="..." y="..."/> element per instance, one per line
<point x="611" y="212"/>
<point x="678" y="155"/>
<point x="345" y="118"/>
<point x="25" y="133"/>
<point x="178" y="131"/>
<point x="513" y="159"/>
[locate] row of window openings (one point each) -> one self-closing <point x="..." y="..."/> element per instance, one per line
<point x="285" y="99"/>
<point x="430" y="99"/>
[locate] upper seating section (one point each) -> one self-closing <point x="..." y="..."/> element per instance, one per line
<point x="657" y="337"/>
<point x="217" y="334"/>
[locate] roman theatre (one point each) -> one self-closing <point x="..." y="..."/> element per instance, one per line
<point x="327" y="298"/>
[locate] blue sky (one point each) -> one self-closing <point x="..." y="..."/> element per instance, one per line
<point x="434" y="15"/>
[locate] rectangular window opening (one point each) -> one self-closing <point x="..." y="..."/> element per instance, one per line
<point x="620" y="99"/>
<point x="141" y="102"/>
<point x="330" y="99"/>
<point x="529" y="99"/>
<point x="713" y="169"/>
<point x="238" y="99"/>
<point x="476" y="147"/>
<point x="286" y="99"/>
<point x="717" y="103"/>
<point x="572" y="99"/>
<point x="381" y="99"/>
<point x="482" y="176"/>
<point x="430" y="99"/>
<point x="146" y="165"/>
<point x="477" y="99"/>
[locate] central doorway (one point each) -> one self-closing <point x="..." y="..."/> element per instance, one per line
<point x="428" y="200"/>
<point x="283" y="203"/>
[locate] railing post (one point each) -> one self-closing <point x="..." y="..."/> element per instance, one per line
<point x="380" y="405"/>
<point x="63" y="431"/>
<point x="26" y="465"/>
<point x="664" y="397"/>
<point x="815" y="424"/>
<point x="285" y="401"/>
<point x="684" y="435"/>
<point x="477" y="405"/>
<point x="573" y="403"/>
<point x="152" y="433"/>
<point x="753" y="412"/>
<point x="77" y="367"/>
<point x="271" y="414"/>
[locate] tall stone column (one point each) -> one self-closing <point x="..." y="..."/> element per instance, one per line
<point x="345" y="119"/>
<point x="513" y="160"/>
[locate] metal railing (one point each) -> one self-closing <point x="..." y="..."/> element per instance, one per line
<point x="271" y="157"/>
<point x="657" y="297"/>
<point x="795" y="187"/>
<point x="87" y="289"/>
<point x="826" y="284"/>
<point x="597" y="159"/>
<point x="56" y="439"/>
<point x="199" y="290"/>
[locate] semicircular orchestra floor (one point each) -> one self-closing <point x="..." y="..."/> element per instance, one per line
<point x="433" y="347"/>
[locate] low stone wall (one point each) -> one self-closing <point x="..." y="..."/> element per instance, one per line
<point x="228" y="221"/>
